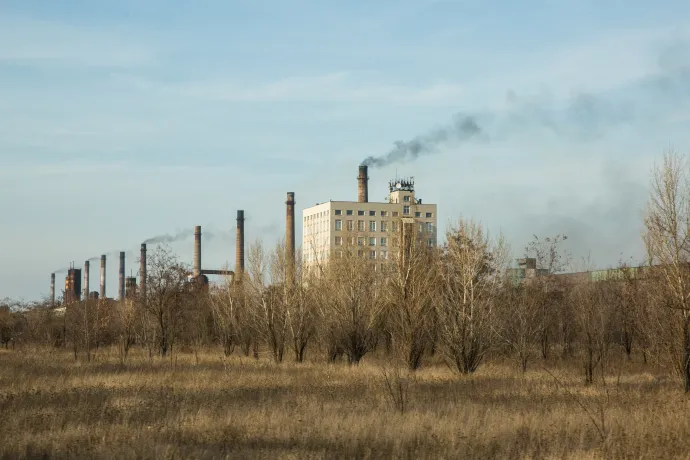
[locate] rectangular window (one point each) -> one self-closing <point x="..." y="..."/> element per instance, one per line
<point x="384" y="213"/>
<point x="428" y="215"/>
<point x="349" y="212"/>
<point x="372" y="213"/>
<point x="384" y="254"/>
<point x="360" y="213"/>
<point x="406" y="210"/>
<point x="429" y="227"/>
<point x="360" y="241"/>
<point x="338" y="212"/>
<point x="338" y="225"/>
<point x="406" y="199"/>
<point x="384" y="226"/>
<point x="351" y="241"/>
<point x="350" y="225"/>
<point x="418" y="214"/>
<point x="394" y="226"/>
<point x="421" y="228"/>
<point x="395" y="213"/>
<point x="338" y="240"/>
<point x="360" y="225"/>
<point x="372" y="255"/>
<point x="372" y="241"/>
<point x="430" y="242"/>
<point x="372" y="225"/>
<point x="384" y="241"/>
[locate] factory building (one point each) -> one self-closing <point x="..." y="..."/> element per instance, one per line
<point x="374" y="228"/>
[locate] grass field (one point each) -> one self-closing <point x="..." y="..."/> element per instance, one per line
<point x="215" y="407"/>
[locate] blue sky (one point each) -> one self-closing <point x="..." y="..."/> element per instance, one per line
<point x="121" y="120"/>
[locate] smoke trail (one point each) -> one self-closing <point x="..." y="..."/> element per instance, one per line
<point x="463" y="128"/>
<point x="167" y="238"/>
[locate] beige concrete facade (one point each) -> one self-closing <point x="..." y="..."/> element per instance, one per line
<point x="372" y="227"/>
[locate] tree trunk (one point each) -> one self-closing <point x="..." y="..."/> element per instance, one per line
<point x="686" y="352"/>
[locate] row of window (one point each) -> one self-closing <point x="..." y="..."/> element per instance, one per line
<point x="361" y="241"/>
<point x="428" y="226"/>
<point x="406" y="211"/>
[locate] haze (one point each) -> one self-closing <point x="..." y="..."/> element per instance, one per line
<point x="124" y="120"/>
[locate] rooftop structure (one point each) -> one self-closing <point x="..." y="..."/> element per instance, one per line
<point x="373" y="227"/>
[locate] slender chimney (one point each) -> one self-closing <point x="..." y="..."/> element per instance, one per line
<point x="52" y="289"/>
<point x="363" y="185"/>
<point x="121" y="294"/>
<point x="290" y="234"/>
<point x="239" y="245"/>
<point x="142" y="272"/>
<point x="87" y="265"/>
<point x="102" y="296"/>
<point x="197" y="250"/>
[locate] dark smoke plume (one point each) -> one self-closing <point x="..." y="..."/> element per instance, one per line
<point x="179" y="236"/>
<point x="463" y="128"/>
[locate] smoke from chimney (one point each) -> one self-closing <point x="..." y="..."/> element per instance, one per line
<point x="179" y="236"/>
<point x="121" y="294"/>
<point x="197" y="250"/>
<point x="102" y="293"/>
<point x="239" y="245"/>
<point x="463" y="128"/>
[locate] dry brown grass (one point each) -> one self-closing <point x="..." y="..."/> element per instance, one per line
<point x="235" y="407"/>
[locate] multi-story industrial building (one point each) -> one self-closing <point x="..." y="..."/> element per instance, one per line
<point x="373" y="228"/>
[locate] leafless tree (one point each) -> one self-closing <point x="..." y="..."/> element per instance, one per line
<point x="667" y="236"/>
<point x="521" y="319"/>
<point x="301" y="309"/>
<point x="351" y="303"/>
<point x="167" y="293"/>
<point x="551" y="259"/>
<point x="411" y="295"/>
<point x="593" y="304"/>
<point x="267" y="293"/>
<point x="472" y="271"/>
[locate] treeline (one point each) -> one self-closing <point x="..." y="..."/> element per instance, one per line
<point x="454" y="302"/>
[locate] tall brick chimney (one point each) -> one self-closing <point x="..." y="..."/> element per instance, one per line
<point x="239" y="245"/>
<point x="363" y="184"/>
<point x="290" y="235"/>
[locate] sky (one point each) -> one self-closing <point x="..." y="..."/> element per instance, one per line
<point x="123" y="120"/>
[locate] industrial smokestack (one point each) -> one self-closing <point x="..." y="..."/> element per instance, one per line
<point x="121" y="294"/>
<point x="363" y="184"/>
<point x="197" y="250"/>
<point x="52" y="289"/>
<point x="102" y="296"/>
<point x="87" y="265"/>
<point x="142" y="272"/>
<point x="290" y="235"/>
<point x="239" y="245"/>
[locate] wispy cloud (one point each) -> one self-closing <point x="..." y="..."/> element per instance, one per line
<point x="67" y="170"/>
<point x="38" y="41"/>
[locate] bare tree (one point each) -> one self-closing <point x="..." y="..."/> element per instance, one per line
<point x="301" y="311"/>
<point x="351" y="303"/>
<point x="472" y="268"/>
<point x="667" y="236"/>
<point x="267" y="294"/>
<point x="167" y="293"/>
<point x="411" y="289"/>
<point x="551" y="259"/>
<point x="593" y="304"/>
<point x="522" y="319"/>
